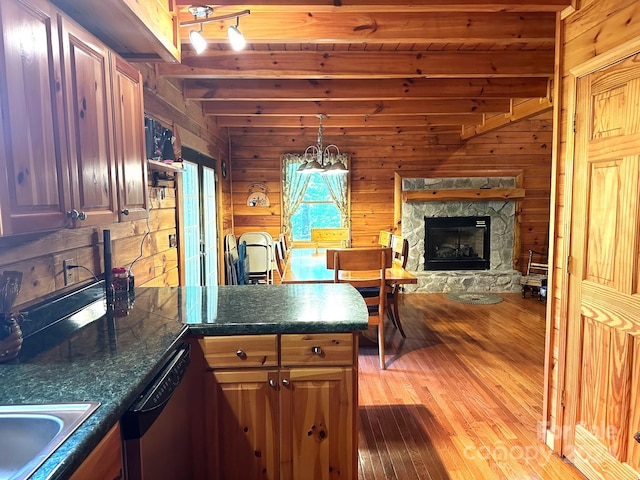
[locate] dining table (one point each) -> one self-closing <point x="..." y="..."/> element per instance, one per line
<point x="306" y="265"/>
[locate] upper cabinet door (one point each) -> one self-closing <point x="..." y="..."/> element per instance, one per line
<point x="90" y="129"/>
<point x="33" y="168"/>
<point x="130" y="147"/>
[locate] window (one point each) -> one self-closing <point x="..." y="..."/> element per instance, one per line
<point x="317" y="209"/>
<point x="312" y="200"/>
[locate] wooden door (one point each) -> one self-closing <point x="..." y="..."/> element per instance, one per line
<point x="129" y="146"/>
<point x="33" y="164"/>
<point x="603" y="350"/>
<point x="316" y="411"/>
<point x="90" y="129"/>
<point x="242" y="411"/>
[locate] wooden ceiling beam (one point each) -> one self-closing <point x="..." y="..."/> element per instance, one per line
<point x="350" y="65"/>
<point x="347" y="131"/>
<point x="501" y="28"/>
<point x="389" y="6"/>
<point x="350" y="121"/>
<point x="363" y="107"/>
<point x="380" y="89"/>
<point x="519" y="111"/>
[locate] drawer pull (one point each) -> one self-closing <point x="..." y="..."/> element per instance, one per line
<point x="241" y="354"/>
<point x="285" y="382"/>
<point x="316" y="350"/>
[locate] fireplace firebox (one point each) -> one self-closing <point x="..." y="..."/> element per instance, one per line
<point x="457" y="243"/>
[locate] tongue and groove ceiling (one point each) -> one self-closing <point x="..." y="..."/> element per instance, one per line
<point x="455" y="66"/>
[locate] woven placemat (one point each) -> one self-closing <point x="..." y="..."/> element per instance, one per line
<point x="474" y="298"/>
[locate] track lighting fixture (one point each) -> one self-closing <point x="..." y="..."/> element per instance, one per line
<point x="201" y="15"/>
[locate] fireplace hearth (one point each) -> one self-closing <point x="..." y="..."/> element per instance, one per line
<point x="457" y="243"/>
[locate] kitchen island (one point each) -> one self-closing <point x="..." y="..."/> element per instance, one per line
<point x="91" y="354"/>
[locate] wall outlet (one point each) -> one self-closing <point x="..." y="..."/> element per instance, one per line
<point x="70" y="274"/>
<point x="173" y="242"/>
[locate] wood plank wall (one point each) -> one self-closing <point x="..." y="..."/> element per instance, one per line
<point x="164" y="100"/>
<point x="39" y="256"/>
<point x="524" y="145"/>
<point x="596" y="28"/>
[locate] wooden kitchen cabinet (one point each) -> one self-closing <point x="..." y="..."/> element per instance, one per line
<point x="34" y="187"/>
<point x="131" y="159"/>
<point x="89" y="126"/>
<point x="104" y="461"/>
<point x="72" y="141"/>
<point x="294" y="420"/>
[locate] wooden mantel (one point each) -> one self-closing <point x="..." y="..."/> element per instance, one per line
<point x="410" y="196"/>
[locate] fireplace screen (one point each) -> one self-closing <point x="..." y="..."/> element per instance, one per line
<point x="457" y="243"/>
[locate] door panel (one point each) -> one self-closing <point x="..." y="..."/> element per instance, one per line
<point x="209" y="228"/>
<point x="191" y="223"/>
<point x="317" y="423"/>
<point x="602" y="368"/>
<point x="34" y="182"/>
<point x="244" y="414"/>
<point x="89" y="111"/>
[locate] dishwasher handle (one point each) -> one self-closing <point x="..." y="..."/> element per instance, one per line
<point x="149" y="405"/>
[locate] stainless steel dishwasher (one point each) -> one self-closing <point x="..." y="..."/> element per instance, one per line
<point x="156" y="428"/>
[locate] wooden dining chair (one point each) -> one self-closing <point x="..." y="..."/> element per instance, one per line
<point x="400" y="253"/>
<point x="365" y="267"/>
<point x="285" y="245"/>
<point x="279" y="254"/>
<point x="384" y="238"/>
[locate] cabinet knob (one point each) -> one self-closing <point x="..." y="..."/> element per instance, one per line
<point x="285" y="382"/>
<point x="82" y="216"/>
<point x="124" y="211"/>
<point x="241" y="354"/>
<point x="636" y="437"/>
<point x="316" y="350"/>
<point x="272" y="383"/>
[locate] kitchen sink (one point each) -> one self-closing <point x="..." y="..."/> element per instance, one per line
<point x="29" y="434"/>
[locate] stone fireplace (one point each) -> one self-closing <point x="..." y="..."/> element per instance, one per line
<point x="474" y="239"/>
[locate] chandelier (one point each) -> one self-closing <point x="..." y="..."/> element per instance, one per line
<point x="326" y="160"/>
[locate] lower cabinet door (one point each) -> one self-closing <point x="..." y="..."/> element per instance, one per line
<point x="242" y="415"/>
<point x="317" y="424"/>
<point x="105" y="461"/>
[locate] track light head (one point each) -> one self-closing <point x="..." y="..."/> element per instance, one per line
<point x="198" y="42"/>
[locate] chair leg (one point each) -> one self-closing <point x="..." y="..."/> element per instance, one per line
<point x="396" y="314"/>
<point x="383" y="363"/>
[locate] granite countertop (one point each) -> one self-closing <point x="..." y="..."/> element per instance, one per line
<point x="75" y="350"/>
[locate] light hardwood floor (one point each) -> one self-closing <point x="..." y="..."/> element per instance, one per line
<point x="461" y="397"/>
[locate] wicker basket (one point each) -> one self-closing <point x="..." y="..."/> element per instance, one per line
<point x="11" y="344"/>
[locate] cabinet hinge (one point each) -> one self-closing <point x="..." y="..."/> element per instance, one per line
<point x="569" y="264"/>
<point x="575" y="123"/>
<point x="563" y="397"/>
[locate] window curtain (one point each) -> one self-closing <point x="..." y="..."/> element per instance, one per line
<point x="337" y="185"/>
<point x="294" y="185"/>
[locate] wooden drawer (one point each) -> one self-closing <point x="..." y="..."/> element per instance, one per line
<point x="317" y="349"/>
<point x="241" y="351"/>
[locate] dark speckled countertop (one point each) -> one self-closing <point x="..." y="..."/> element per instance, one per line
<point x="94" y="355"/>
